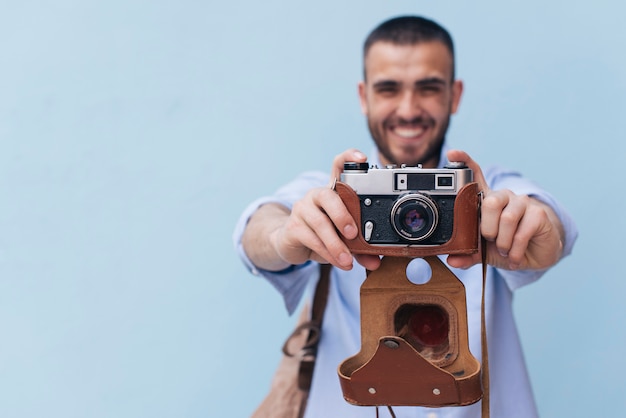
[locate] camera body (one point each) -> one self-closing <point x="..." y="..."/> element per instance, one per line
<point x="429" y="210"/>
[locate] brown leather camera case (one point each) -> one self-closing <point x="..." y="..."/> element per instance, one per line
<point x="464" y="239"/>
<point x="389" y="370"/>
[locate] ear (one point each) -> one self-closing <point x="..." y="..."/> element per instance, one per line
<point x="363" y="97"/>
<point x="457" y="92"/>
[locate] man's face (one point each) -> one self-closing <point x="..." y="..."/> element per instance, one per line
<point x="408" y="97"/>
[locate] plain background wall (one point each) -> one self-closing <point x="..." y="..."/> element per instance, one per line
<point x="133" y="133"/>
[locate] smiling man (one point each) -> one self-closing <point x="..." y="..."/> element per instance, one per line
<point x="408" y="95"/>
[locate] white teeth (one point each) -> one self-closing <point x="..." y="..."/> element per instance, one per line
<point x="408" y="132"/>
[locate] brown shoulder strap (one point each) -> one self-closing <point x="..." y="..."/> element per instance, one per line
<point x="483" y="336"/>
<point x="321" y="294"/>
<point x="309" y="351"/>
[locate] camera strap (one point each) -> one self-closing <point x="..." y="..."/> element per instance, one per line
<point x="307" y="353"/>
<point x="483" y="335"/>
<point x="289" y="390"/>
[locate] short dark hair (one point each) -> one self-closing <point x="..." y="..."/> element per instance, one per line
<point x="409" y="30"/>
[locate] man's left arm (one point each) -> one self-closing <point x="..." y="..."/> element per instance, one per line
<point x="522" y="232"/>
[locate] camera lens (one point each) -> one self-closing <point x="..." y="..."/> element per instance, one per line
<point x="414" y="217"/>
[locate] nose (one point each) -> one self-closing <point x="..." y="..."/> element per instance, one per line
<point x="408" y="107"/>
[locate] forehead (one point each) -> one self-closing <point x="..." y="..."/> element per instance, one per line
<point x="386" y="60"/>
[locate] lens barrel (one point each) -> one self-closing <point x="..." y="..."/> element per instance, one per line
<point x="414" y="217"/>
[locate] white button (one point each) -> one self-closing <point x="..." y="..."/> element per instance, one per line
<point x="369" y="227"/>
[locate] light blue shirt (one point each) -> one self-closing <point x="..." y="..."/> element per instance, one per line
<point x="511" y="394"/>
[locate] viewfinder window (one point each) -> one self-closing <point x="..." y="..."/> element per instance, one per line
<point x="445" y="181"/>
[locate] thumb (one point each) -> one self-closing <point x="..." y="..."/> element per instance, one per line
<point x="462" y="156"/>
<point x="349" y="155"/>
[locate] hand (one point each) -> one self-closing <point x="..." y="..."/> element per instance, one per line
<point x="521" y="232"/>
<point x="276" y="238"/>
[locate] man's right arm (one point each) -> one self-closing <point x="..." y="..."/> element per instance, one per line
<point x="276" y="238"/>
<point x="257" y="235"/>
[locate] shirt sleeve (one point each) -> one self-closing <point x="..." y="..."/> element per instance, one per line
<point x="499" y="178"/>
<point x="293" y="283"/>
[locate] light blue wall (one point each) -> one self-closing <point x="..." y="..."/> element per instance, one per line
<point x="132" y="134"/>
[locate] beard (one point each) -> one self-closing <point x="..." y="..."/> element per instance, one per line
<point x="432" y="152"/>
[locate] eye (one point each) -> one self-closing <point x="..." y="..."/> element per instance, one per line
<point x="386" y="89"/>
<point x="430" y="89"/>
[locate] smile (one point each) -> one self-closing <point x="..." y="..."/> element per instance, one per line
<point x="409" y="133"/>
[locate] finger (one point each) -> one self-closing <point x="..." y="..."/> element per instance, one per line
<point x="462" y="156"/>
<point x="320" y="251"/>
<point x="335" y="209"/>
<point x="295" y="241"/>
<point x="349" y="155"/>
<point x="463" y="261"/>
<point x="370" y="262"/>
<point x="319" y="233"/>
<point x="491" y="209"/>
<point x="529" y="227"/>
<point x="509" y="226"/>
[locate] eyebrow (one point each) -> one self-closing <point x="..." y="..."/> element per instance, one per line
<point x="430" y="80"/>
<point x="418" y="83"/>
<point x="385" y="83"/>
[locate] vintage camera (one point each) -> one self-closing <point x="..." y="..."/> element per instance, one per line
<point x="414" y="337"/>
<point x="432" y="211"/>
